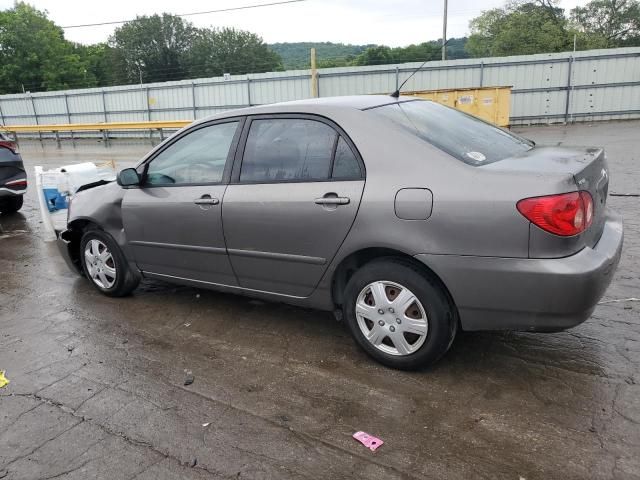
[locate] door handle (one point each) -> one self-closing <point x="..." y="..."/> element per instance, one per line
<point x="206" y="200"/>
<point x="332" y="201"/>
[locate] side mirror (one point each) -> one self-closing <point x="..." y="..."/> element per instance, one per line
<point x="128" y="177"/>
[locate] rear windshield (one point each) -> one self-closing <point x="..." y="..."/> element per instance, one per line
<point x="463" y="136"/>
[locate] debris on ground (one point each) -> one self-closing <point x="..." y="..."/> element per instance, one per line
<point x="368" y="441"/>
<point x="206" y="424"/>
<point x="187" y="324"/>
<point x="193" y="462"/>
<point x="70" y="348"/>
<point x="4" y="381"/>
<point x="189" y="378"/>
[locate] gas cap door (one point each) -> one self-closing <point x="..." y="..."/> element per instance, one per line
<point x="414" y="203"/>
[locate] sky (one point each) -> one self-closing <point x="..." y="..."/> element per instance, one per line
<point x="389" y="22"/>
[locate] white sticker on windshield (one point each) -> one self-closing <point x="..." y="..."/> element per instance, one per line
<point x="476" y="156"/>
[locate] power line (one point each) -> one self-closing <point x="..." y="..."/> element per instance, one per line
<point x="221" y="10"/>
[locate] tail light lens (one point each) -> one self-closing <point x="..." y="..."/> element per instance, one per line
<point x="566" y="214"/>
<point x="17" y="184"/>
<point x="10" y="145"/>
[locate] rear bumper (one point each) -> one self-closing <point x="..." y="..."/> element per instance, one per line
<point x="11" y="171"/>
<point x="494" y="293"/>
<point x="7" y="192"/>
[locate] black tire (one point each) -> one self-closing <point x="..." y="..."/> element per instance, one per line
<point x="125" y="280"/>
<point x="11" y="204"/>
<point x="441" y="314"/>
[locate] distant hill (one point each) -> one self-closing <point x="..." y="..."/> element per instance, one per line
<point x="296" y="55"/>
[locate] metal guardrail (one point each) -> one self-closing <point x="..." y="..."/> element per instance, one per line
<point x="96" y="127"/>
<point x="102" y="128"/>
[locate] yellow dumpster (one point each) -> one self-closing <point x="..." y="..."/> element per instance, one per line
<point x="489" y="103"/>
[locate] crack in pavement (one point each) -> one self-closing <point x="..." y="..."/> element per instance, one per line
<point x="20" y="457"/>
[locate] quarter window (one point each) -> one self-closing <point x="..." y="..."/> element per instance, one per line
<point x="287" y="149"/>
<point x="345" y="165"/>
<point x="197" y="158"/>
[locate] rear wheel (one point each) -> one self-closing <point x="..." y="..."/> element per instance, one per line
<point x="398" y="315"/>
<point x="11" y="204"/>
<point x="105" y="266"/>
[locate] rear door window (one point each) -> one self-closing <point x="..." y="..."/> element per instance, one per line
<point x="288" y="150"/>
<point x="467" y="138"/>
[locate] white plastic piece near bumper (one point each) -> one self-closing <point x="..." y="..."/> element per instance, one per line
<point x="49" y="234"/>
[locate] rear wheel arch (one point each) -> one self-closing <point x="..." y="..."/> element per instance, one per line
<point x="351" y="263"/>
<point x="11" y="204"/>
<point x="404" y="338"/>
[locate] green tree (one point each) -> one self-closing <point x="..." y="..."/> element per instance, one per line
<point x="519" y="29"/>
<point x="381" y="54"/>
<point x="377" y="55"/>
<point x="35" y="54"/>
<point x="153" y="47"/>
<point x="227" y="50"/>
<point x="608" y="23"/>
<point x="100" y="65"/>
<point x="296" y="55"/>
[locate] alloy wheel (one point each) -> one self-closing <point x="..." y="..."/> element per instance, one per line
<point x="100" y="264"/>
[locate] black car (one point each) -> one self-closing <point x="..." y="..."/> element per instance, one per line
<point x="13" y="177"/>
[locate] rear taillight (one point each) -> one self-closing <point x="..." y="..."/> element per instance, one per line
<point x="566" y="214"/>
<point x="16" y="184"/>
<point x="10" y="145"/>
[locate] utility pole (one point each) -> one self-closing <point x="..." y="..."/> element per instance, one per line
<point x="444" y="32"/>
<point x="314" y="74"/>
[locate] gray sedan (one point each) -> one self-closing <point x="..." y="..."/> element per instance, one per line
<point x="408" y="219"/>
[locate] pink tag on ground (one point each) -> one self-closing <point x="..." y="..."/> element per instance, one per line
<point x="367" y="440"/>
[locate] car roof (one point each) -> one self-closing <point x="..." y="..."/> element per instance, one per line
<point x="319" y="106"/>
<point x="359" y="102"/>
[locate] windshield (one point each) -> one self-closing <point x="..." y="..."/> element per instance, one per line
<point x="463" y="136"/>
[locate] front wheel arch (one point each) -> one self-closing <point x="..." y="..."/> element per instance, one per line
<point x="125" y="279"/>
<point x="73" y="235"/>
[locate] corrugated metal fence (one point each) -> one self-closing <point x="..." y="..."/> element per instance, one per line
<point x="560" y="87"/>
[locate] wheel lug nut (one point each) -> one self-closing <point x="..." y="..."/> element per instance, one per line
<point x="391" y="310"/>
<point x="381" y="323"/>
<point x="392" y="328"/>
<point x="380" y="311"/>
<point x="398" y="321"/>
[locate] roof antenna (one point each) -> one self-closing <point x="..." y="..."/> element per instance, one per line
<point x="396" y="94"/>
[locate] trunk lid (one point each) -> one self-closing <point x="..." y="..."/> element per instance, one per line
<point x="587" y="166"/>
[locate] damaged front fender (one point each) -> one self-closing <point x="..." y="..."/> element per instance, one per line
<point x="97" y="205"/>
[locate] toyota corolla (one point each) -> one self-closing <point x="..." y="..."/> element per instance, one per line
<point x="408" y="219"/>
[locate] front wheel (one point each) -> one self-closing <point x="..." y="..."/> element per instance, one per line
<point x="11" y="204"/>
<point x="105" y="266"/>
<point x="399" y="315"/>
